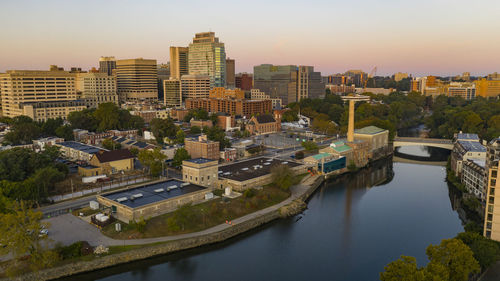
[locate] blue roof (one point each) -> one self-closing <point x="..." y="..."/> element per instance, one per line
<point x="472" y="146"/>
<point x="463" y="136"/>
<point x="81" y="147"/>
<point x="200" y="160"/>
<point x="152" y="193"/>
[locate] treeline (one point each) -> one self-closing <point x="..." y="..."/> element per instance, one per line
<point x="455" y="259"/>
<point x="107" y="116"/>
<point x="394" y="111"/>
<point x="451" y="115"/>
<point x="29" y="176"/>
<point x="388" y="83"/>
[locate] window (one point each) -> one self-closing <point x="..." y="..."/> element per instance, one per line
<point x="490" y="208"/>
<point x="490" y="217"/>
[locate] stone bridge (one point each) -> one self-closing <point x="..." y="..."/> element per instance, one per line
<point x="441" y="143"/>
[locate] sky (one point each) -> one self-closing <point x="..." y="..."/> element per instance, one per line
<point x="425" y="37"/>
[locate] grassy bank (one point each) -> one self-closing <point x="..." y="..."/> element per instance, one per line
<point x="193" y="218"/>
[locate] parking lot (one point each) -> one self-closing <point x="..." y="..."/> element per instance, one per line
<point x="68" y="229"/>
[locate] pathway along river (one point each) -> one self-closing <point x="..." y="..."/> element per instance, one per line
<point x="352" y="228"/>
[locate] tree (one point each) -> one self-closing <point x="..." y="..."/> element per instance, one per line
<point x="84" y="119"/>
<point x="65" y="132"/>
<point x="299" y="155"/>
<point x="108" y="116"/>
<point x="180" y="155"/>
<point x="455" y="256"/>
<point x="289" y="116"/>
<point x="163" y="128"/>
<point x="195" y="130"/>
<point x="309" y="145"/>
<point x="486" y="251"/>
<point x="152" y="160"/>
<point x="20" y="235"/>
<point x="110" y="144"/>
<point x="217" y="134"/>
<point x="403" y="269"/>
<point x="50" y="126"/>
<point x="282" y="176"/>
<point x="23" y="130"/>
<point x="180" y="136"/>
<point x="136" y="122"/>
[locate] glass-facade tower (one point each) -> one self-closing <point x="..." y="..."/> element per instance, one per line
<point x="207" y="56"/>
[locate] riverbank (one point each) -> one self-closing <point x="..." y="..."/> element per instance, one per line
<point x="165" y="245"/>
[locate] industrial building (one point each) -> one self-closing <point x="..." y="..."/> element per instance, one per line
<point x="152" y="200"/>
<point x="253" y="173"/>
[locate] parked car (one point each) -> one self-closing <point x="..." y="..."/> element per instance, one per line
<point x="43" y="232"/>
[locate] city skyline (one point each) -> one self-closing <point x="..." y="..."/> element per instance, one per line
<point x="431" y="38"/>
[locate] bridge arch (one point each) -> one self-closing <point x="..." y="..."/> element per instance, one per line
<point x="441" y="143"/>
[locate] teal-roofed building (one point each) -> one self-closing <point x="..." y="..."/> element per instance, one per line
<point x="326" y="163"/>
<point x="377" y="138"/>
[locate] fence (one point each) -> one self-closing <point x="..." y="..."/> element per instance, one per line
<point x="101" y="186"/>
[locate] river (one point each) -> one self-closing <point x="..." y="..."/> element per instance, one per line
<point x="352" y="228"/>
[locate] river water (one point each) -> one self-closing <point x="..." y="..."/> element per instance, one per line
<point x="352" y="228"/>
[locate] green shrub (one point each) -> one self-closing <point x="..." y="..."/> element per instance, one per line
<point x="172" y="224"/>
<point x="74" y="250"/>
<point x="249" y="193"/>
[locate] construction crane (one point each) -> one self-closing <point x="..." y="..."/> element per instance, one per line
<point x="372" y="74"/>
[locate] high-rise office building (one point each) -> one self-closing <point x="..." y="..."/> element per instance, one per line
<point x="357" y="77"/>
<point x="137" y="79"/>
<point x="400" y="76"/>
<point x="163" y="74"/>
<point x="178" y="62"/>
<point x="172" y="92"/>
<point x="337" y="79"/>
<point x="195" y="86"/>
<point x="230" y="73"/>
<point x="96" y="88"/>
<point x="207" y="56"/>
<point x="244" y="81"/>
<point x="107" y="64"/>
<point x="492" y="210"/>
<point x="464" y="90"/>
<point x="309" y="83"/>
<point x="39" y="95"/>
<point x="487" y="88"/>
<point x="288" y="82"/>
<point x="278" y="81"/>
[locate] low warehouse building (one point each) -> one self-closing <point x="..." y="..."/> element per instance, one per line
<point x="253" y="173"/>
<point x="152" y="199"/>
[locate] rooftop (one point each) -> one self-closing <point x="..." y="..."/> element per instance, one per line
<point x="253" y="168"/>
<point x="370" y="130"/>
<point x="472" y="146"/>
<point x="152" y="193"/>
<point x="200" y="160"/>
<point x="265" y="118"/>
<point x="81" y="147"/>
<point x="321" y="156"/>
<point x="462" y="136"/>
<point x="114" y="155"/>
